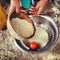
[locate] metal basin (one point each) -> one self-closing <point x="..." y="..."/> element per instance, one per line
<point x="47" y="23"/>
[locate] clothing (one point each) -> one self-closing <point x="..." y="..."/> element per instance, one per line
<point x="26" y="3"/>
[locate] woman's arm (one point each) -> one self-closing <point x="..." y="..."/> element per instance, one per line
<point x="39" y="7"/>
<point x="14" y="5"/>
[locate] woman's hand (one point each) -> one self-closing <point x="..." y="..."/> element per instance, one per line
<point x="14" y="5"/>
<point x="38" y="8"/>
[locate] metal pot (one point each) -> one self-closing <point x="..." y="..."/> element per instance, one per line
<point x="47" y="23"/>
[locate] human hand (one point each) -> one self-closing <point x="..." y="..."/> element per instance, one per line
<point x="14" y="5"/>
<point x="38" y="8"/>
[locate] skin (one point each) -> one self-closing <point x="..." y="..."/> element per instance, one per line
<point x="15" y="5"/>
<point x="38" y="8"/>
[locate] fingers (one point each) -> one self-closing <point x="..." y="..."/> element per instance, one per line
<point x="32" y="7"/>
<point x="32" y="10"/>
<point x="18" y="8"/>
<point x="36" y="10"/>
<point x="11" y="10"/>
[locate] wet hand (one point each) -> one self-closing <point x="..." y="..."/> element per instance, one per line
<point x="38" y="8"/>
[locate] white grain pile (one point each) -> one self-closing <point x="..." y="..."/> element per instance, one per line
<point x="22" y="27"/>
<point x="40" y="37"/>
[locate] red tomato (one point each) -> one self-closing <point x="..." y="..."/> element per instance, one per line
<point x="33" y="45"/>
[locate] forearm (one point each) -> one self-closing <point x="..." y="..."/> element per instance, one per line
<point x="44" y="0"/>
<point x="14" y="0"/>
